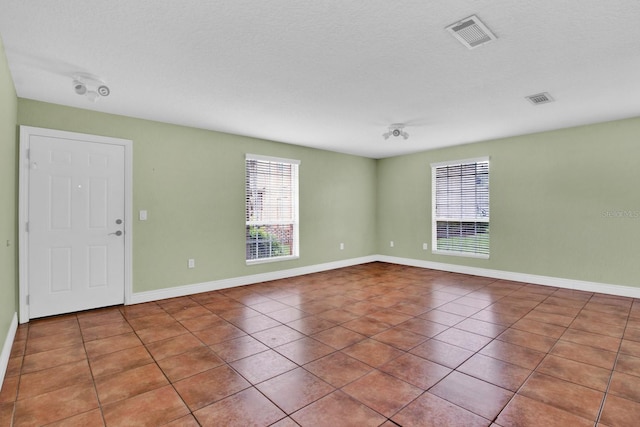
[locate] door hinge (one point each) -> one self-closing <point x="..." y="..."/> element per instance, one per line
<point x="28" y="153"/>
<point x="26" y="226"/>
<point x="27" y="299"/>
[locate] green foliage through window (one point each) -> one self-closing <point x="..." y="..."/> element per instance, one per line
<point x="263" y="244"/>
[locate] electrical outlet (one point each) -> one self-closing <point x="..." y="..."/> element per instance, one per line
<point x="391" y="244"/>
<point x="192" y="263"/>
<point x="341" y="246"/>
<point x="425" y="246"/>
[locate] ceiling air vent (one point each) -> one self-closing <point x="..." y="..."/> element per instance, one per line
<point x="540" y="98"/>
<point x="471" y="32"/>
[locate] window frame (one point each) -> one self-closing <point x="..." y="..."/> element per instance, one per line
<point x="435" y="219"/>
<point x="295" y="206"/>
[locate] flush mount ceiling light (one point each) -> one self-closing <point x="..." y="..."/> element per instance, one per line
<point x="396" y="130"/>
<point x="471" y="32"/>
<point x="90" y="86"/>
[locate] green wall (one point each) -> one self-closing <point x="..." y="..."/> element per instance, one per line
<point x="8" y="199"/>
<point x="191" y="182"/>
<point x="555" y="200"/>
<point x="564" y="203"/>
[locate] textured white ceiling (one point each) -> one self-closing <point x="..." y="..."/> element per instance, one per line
<point x="334" y="74"/>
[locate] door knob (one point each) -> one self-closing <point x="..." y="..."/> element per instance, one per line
<point x="118" y="221"/>
<point x="117" y="233"/>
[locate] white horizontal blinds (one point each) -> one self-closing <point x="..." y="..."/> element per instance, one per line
<point x="461" y="213"/>
<point x="271" y="212"/>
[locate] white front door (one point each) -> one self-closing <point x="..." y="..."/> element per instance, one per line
<point x="75" y="231"/>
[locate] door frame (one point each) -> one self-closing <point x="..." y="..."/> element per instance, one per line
<point x="23" y="206"/>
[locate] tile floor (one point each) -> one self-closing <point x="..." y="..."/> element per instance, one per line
<point x="376" y="344"/>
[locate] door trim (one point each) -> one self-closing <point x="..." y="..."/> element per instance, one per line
<point x="23" y="207"/>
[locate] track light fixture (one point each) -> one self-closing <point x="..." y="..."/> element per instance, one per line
<point x="396" y="130"/>
<point x="90" y="86"/>
<point x="79" y="87"/>
<point x="103" y="90"/>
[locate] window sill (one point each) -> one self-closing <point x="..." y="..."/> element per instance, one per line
<point x="461" y="254"/>
<point x="269" y="260"/>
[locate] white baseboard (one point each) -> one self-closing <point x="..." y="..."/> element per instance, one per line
<point x="6" y="348"/>
<point x="178" y="291"/>
<point x="581" y="285"/>
<point x="215" y="285"/>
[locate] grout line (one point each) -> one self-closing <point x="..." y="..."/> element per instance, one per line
<point x="93" y="378"/>
<point x="613" y="369"/>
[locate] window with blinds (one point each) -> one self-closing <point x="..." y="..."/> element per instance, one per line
<point x="460" y="201"/>
<point x="271" y="208"/>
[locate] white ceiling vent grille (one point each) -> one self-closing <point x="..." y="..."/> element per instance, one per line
<point x="471" y="32"/>
<point x="540" y="98"/>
